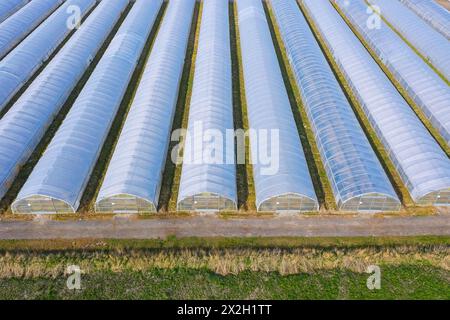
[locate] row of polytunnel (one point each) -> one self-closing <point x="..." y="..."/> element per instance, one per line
<point x="356" y="176"/>
<point x="17" y="68"/>
<point x="74" y="150"/>
<point x="44" y="57"/>
<point x="432" y="13"/>
<point x="420" y="161"/>
<point x="134" y="176"/>
<point x="417" y="78"/>
<point x="18" y="26"/>
<point x="9" y="7"/>
<point x="432" y="45"/>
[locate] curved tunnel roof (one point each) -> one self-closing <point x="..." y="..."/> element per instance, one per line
<point x="212" y="108"/>
<point x="269" y="113"/>
<point x="139" y="158"/>
<point x="422" y="164"/>
<point x="351" y="165"/>
<point x="64" y="169"/>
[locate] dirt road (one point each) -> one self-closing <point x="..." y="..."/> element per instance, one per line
<point x="207" y="226"/>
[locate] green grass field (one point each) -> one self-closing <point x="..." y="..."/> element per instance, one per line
<point x="399" y="282"/>
<point x="227" y="268"/>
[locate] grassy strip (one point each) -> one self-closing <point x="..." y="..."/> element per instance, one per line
<point x="26" y="170"/>
<point x="42" y="67"/>
<point x="31" y="264"/>
<point x="398" y="282"/>
<point x="245" y="182"/>
<point x="375" y="142"/>
<point x="447" y="81"/>
<point x="409" y="99"/>
<point x="87" y="202"/>
<point x="172" y="172"/>
<point x="174" y="243"/>
<point x="319" y="176"/>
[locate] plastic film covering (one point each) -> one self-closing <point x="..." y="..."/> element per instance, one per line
<point x="22" y="62"/>
<point x="210" y="184"/>
<point x="421" y="163"/>
<point x="421" y="83"/>
<point x="17" y="27"/>
<point x="26" y="122"/>
<point x="432" y="13"/>
<point x="74" y="150"/>
<point x="358" y="180"/>
<point x="134" y="176"/>
<point x="430" y="43"/>
<point x="289" y="188"/>
<point x="9" y="7"/>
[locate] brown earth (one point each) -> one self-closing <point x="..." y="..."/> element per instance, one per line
<point x="444" y="3"/>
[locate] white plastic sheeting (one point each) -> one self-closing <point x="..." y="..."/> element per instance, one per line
<point x="17" y="27"/>
<point x="22" y="62"/>
<point x="430" y="43"/>
<point x="211" y="183"/>
<point x="134" y="176"/>
<point x="357" y="178"/>
<point x="432" y="13"/>
<point x="26" y="122"/>
<point x="421" y="163"/>
<point x="289" y="188"/>
<point x="421" y="83"/>
<point x="62" y="173"/>
<point x="9" y="7"/>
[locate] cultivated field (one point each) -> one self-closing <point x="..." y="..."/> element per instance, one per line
<point x="323" y="176"/>
<point x="89" y="176"/>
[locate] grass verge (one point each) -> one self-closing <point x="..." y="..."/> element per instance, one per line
<point x="244" y="268"/>
<point x="397" y="282"/>
<point x="245" y="182"/>
<point x="172" y="242"/>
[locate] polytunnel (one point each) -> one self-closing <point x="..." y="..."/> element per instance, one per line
<point x="9" y="7"/>
<point x="210" y="184"/>
<point x="24" y="125"/>
<point x="75" y="148"/>
<point x="17" y="27"/>
<point x="287" y="185"/>
<point x="134" y="176"/>
<point x="422" y="164"/>
<point x="25" y="59"/>
<point x="432" y="13"/>
<point x="431" y="44"/>
<point x="422" y="84"/>
<point x="358" y="180"/>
